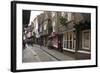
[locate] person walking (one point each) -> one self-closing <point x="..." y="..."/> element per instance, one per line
<point x="60" y="46"/>
<point x="24" y="42"/>
<point x="49" y="44"/>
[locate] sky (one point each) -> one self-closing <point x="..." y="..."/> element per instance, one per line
<point x="34" y="14"/>
<point x="32" y="17"/>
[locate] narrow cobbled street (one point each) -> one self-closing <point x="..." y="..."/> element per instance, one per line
<point x="38" y="53"/>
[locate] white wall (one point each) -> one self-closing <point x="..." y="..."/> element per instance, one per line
<point x="5" y="36"/>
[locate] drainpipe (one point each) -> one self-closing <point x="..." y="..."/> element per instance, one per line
<point x="77" y="44"/>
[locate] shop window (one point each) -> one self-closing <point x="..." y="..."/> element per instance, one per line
<point x="86" y="39"/>
<point x="68" y="40"/>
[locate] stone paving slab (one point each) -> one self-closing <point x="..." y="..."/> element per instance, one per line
<point x="28" y="56"/>
<point x="35" y="54"/>
<point x="38" y="53"/>
<point x="61" y="56"/>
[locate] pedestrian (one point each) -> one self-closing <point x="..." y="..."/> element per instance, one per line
<point x="24" y="42"/>
<point x="40" y="43"/>
<point x="60" y="46"/>
<point x="49" y="44"/>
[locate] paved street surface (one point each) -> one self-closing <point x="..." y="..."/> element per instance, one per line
<point x="36" y="53"/>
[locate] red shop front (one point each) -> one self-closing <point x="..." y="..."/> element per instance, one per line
<point x="54" y="37"/>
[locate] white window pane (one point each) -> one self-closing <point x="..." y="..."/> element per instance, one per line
<point x="69" y="16"/>
<point x="86" y="40"/>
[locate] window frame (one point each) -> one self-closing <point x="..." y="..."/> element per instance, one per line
<point x="83" y="47"/>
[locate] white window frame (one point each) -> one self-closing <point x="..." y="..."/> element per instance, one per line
<point x="73" y="41"/>
<point x="45" y="25"/>
<point x="41" y="28"/>
<point x="69" y="16"/>
<point x="83" y="47"/>
<point x="63" y="14"/>
<point x="53" y="14"/>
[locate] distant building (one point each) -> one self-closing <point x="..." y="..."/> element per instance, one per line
<point x="69" y="31"/>
<point x="45" y="28"/>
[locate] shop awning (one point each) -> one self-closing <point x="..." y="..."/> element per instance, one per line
<point x="29" y="28"/>
<point x="53" y="34"/>
<point x="68" y="30"/>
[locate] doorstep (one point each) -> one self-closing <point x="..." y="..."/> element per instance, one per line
<point x="80" y="55"/>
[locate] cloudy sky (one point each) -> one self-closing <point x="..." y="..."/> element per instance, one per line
<point x="32" y="17"/>
<point x="34" y="14"/>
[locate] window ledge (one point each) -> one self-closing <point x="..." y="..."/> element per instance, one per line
<point x="71" y="50"/>
<point x="82" y="51"/>
<point x="79" y="51"/>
